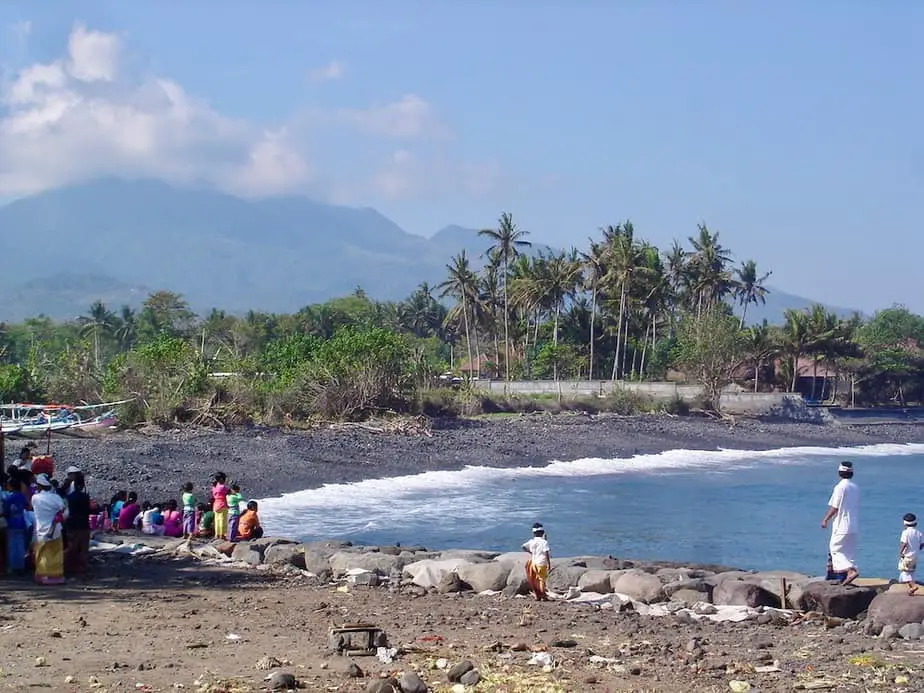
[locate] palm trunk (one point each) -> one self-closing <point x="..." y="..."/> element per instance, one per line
<point x="506" y="327"/>
<point x="625" y="347"/>
<point x="795" y="369"/>
<point x="744" y="315"/>
<point x="555" y="341"/>
<point x="757" y="375"/>
<point x="622" y="310"/>
<point x="96" y="347"/>
<point x="641" y="368"/>
<point x="593" y="316"/>
<point x="468" y="337"/>
<point x="814" y="376"/>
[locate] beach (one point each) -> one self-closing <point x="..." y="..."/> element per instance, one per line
<point x="269" y="462"/>
<point x="177" y="622"/>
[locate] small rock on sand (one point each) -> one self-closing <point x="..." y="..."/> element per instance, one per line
<point x="410" y="682"/>
<point x="457" y="671"/>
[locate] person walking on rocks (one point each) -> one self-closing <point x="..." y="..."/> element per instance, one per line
<point x="537" y="566"/>
<point x="844" y="509"/>
<point x="910" y="545"/>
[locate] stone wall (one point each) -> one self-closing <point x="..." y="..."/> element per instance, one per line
<point x="734" y="399"/>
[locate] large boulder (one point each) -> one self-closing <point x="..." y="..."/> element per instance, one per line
<point x="470" y="555"/>
<point x="264" y="543"/>
<point x="772" y="581"/>
<point x="563" y="577"/>
<point x="743" y="593"/>
<point x="512" y="558"/>
<point x="516" y="580"/>
<point x="840" y="601"/>
<point x="245" y="553"/>
<point x="317" y="561"/>
<point x="894" y="609"/>
<point x="727" y="575"/>
<point x="383" y="563"/>
<point x="485" y="576"/>
<point x="700" y="585"/>
<point x="429" y="572"/>
<point x="639" y="585"/>
<point x="598" y="581"/>
<point x="590" y="562"/>
<point x="285" y="554"/>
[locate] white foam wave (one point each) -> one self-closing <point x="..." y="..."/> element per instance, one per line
<point x="423" y="486"/>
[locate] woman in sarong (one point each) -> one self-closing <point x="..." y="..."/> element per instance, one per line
<point x="537" y="567"/>
<point x="50" y="511"/>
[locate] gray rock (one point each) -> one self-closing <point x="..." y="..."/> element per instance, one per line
<point x="599" y="581"/>
<point x="281" y="681"/>
<point x="470" y="678"/>
<point x="470" y="555"/>
<point x="450" y="583"/>
<point x="457" y="671"/>
<point x="428" y="573"/>
<point x="327" y="546"/>
<point x="484" y="576"/>
<point x="285" y="554"/>
<point x="561" y="577"/>
<point x="383" y="686"/>
<point x="739" y="593"/>
<point x="701" y="585"/>
<point x="639" y="585"/>
<point x="367" y="578"/>
<point x="894" y="609"/>
<point x="840" y="601"/>
<point x="911" y="631"/>
<point x="245" y="554"/>
<point x="410" y="682"/>
<point x="593" y="562"/>
<point x="264" y="543"/>
<point x="889" y="632"/>
<point x="689" y="596"/>
<point x="718" y="578"/>
<point x="317" y="561"/>
<point x="516" y="581"/>
<point x="344" y="561"/>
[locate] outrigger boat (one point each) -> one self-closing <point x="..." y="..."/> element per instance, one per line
<point x="37" y="420"/>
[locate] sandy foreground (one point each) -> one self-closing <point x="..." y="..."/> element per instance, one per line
<point x="165" y="623"/>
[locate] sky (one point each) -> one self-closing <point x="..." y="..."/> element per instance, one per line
<point x="793" y="129"/>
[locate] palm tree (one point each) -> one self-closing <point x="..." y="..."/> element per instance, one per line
<point x="461" y="285"/>
<point x="557" y="283"/>
<point x="625" y="258"/>
<point x="125" y="328"/>
<point x="709" y="266"/>
<point x="749" y="287"/>
<point x="795" y="337"/>
<point x="508" y="239"/>
<point x="595" y="270"/>
<point x="822" y="327"/>
<point x="760" y="344"/>
<point x="99" y="321"/>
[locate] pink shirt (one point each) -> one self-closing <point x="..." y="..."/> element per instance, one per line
<point x="173" y="523"/>
<point x="219" y="497"/>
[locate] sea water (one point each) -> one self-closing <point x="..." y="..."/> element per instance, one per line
<point x="753" y="510"/>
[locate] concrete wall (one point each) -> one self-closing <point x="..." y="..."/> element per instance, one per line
<point x="734" y="399"/>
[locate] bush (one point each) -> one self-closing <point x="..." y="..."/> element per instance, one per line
<point x="676" y="405"/>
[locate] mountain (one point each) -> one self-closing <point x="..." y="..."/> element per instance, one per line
<point x="778" y="302"/>
<point x="117" y="240"/>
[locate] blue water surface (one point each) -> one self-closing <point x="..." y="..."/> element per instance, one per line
<point x="754" y="512"/>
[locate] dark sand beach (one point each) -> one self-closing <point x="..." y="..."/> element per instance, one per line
<point x="268" y="462"/>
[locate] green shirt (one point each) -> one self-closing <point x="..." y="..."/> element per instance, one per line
<point x="189" y="502"/>
<point x="207" y="521"/>
<point x="234" y="504"/>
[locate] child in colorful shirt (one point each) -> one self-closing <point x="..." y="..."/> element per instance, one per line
<point x="234" y="511"/>
<point x="220" y="505"/>
<point x="189" y="510"/>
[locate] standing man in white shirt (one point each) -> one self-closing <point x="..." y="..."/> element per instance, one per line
<point x="539" y="563"/>
<point x="844" y="509"/>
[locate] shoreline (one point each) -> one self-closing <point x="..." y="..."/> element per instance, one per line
<point x="272" y="462"/>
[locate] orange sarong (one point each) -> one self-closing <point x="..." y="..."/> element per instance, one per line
<point x="536" y="576"/>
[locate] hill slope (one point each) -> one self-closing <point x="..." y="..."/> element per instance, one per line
<point x="116" y="240"/>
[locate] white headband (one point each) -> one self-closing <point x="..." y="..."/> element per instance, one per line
<point x="910" y="524"/>
<point x="845" y="468"/>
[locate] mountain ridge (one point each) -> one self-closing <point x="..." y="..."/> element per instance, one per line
<point x="119" y="239"/>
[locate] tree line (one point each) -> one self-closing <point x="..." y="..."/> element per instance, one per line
<point x="619" y="309"/>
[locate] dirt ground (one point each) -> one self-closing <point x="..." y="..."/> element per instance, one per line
<point x="159" y="623"/>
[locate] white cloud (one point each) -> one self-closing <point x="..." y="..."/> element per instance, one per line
<point x="92" y="55"/>
<point x="410" y="117"/>
<point x="333" y="70"/>
<point x="81" y="117"/>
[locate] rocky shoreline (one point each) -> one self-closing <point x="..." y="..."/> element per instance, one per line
<point x="270" y="462"/>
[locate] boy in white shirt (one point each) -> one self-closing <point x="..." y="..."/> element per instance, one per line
<point x="910" y="545"/>
<point x="537" y="567"/>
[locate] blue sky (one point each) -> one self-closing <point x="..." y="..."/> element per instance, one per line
<point x="794" y="130"/>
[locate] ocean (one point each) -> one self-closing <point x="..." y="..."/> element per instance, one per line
<point x="753" y="510"/>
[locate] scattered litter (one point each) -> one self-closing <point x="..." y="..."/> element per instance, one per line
<point x="442" y="663"/>
<point x="901" y="680"/>
<point x="543" y="659"/>
<point x="386" y="655"/>
<point x="69" y="679"/>
<point x="232" y="637"/>
<point x="768" y="669"/>
<point x="739" y="686"/>
<point x="41" y="662"/>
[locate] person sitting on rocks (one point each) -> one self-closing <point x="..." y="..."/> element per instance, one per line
<point x="537" y="567"/>
<point x="129" y="512"/>
<point x="205" y="529"/>
<point x="910" y="545"/>
<point x="249" y="526"/>
<point x="151" y="520"/>
<point x="173" y="519"/>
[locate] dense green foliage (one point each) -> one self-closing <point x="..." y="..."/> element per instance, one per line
<point x="621" y="309"/>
